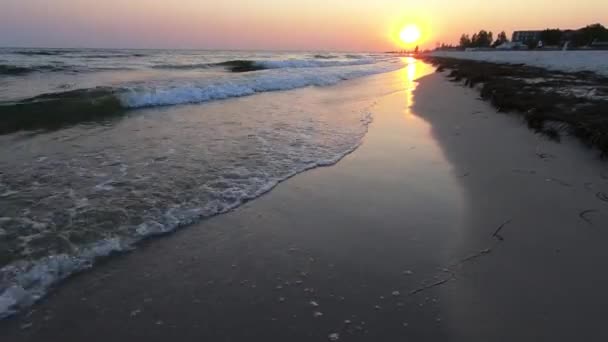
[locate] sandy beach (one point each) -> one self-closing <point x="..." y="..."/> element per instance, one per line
<point x="450" y="222"/>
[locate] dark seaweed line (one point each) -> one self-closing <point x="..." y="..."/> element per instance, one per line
<point x="504" y="86"/>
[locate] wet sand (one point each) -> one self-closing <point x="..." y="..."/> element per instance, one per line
<point x="450" y="223"/>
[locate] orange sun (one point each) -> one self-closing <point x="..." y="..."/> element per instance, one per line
<point x="410" y="34"/>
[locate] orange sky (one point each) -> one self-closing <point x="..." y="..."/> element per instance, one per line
<point x="347" y="25"/>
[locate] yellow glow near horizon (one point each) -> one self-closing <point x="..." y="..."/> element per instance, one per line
<point x="341" y="25"/>
<point x="410" y="34"/>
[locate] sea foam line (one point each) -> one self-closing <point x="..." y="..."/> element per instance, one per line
<point x="23" y="283"/>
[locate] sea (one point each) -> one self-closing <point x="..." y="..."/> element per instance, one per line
<point x="102" y="148"/>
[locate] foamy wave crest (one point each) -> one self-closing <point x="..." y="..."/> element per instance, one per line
<point x="309" y="63"/>
<point x="56" y="110"/>
<point x="255" y="65"/>
<point x="25" y="282"/>
<point x="172" y="94"/>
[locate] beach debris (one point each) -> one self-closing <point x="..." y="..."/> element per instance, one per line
<point x="347" y="321"/>
<point x="377" y="307"/>
<point x="396" y="293"/>
<point x="313" y="303"/>
<point x="408" y="272"/>
<point x="135" y="312"/>
<point x="281" y="299"/>
<point x="542" y="155"/>
<point x="233" y="266"/>
<point x="317" y="314"/>
<point x="602" y="196"/>
<point x="25" y="326"/>
<point x="333" y="336"/>
<point x="474" y="256"/>
<point x="400" y="304"/>
<point x="583" y="216"/>
<point x="160" y="322"/>
<point x="382" y="297"/>
<point x="496" y="233"/>
<point x="298" y="282"/>
<point x="279" y="287"/>
<point x="405" y="324"/>
<point x="432" y="285"/>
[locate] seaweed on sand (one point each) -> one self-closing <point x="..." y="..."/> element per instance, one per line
<point x="542" y="97"/>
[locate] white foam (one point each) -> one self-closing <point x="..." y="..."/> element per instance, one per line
<point x="22" y="283"/>
<point x="311" y="63"/>
<point x="181" y="92"/>
<point x="25" y="282"/>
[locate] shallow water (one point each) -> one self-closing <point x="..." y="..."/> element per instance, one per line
<point x="76" y="192"/>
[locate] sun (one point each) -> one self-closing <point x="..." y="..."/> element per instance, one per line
<point x="410" y="34"/>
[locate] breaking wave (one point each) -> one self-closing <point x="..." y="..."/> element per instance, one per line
<point x="52" y="111"/>
<point x="14" y="70"/>
<point x="255" y="65"/>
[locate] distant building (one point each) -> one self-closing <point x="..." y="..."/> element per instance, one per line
<point x="526" y="36"/>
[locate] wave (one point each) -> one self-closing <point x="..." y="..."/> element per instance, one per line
<point x="307" y="63"/>
<point x="23" y="282"/>
<point x="52" y="111"/>
<point x="325" y="56"/>
<point x="110" y="55"/>
<point x="183" y="66"/>
<point x="173" y="94"/>
<point x="256" y="65"/>
<point x="56" y="110"/>
<point x="40" y="52"/>
<point x="15" y="70"/>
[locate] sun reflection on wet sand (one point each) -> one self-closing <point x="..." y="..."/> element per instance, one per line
<point x="413" y="71"/>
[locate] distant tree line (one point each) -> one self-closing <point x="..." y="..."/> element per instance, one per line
<point x="582" y="37"/>
<point x="550" y="37"/>
<point x="482" y="39"/>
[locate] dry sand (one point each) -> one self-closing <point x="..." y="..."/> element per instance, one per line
<point x="396" y="242"/>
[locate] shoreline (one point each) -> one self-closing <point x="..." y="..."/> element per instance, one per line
<point x="553" y="103"/>
<point x="400" y="239"/>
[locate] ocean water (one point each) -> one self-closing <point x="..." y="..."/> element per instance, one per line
<point x="100" y="149"/>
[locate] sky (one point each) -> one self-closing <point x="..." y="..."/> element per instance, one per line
<point x="320" y="25"/>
